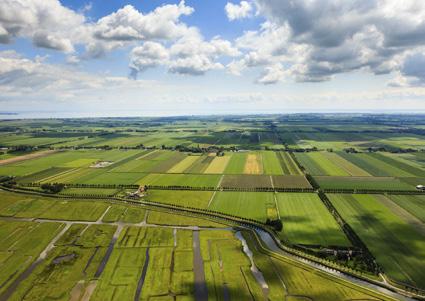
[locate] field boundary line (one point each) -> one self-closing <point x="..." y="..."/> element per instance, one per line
<point x="271" y="181"/>
<point x="277" y="207"/>
<point x="402" y="213"/>
<point x="215" y="191"/>
<point x="27" y="157"/>
<point x="147" y="154"/>
<point x="103" y="214"/>
<point x="58" y="174"/>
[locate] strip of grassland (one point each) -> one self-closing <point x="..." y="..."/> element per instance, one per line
<point x="183" y="165"/>
<point x="271" y="163"/>
<point x="307" y="221"/>
<point x="226" y="268"/>
<point x="236" y="164"/>
<point x="291" y="280"/>
<point x="366" y="183"/>
<point x="400" y="164"/>
<point x="375" y="166"/>
<point x="309" y="165"/>
<point x="253" y="164"/>
<point x="196" y="199"/>
<point x="414" y="204"/>
<point x="291" y="166"/>
<point x="200" y="165"/>
<point x="20" y="245"/>
<point x="362" y="163"/>
<point x="218" y="165"/>
<point x="349" y="167"/>
<point x="405" y="215"/>
<point x="244" y="204"/>
<point x="69" y="266"/>
<point x="327" y="164"/>
<point x="192" y="180"/>
<point x="382" y="230"/>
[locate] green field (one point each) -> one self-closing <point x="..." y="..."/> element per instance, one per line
<point x="271" y="163"/>
<point x="196" y="199"/>
<point x="200" y="165"/>
<point x="414" y="204"/>
<point x="19" y="250"/>
<point x="114" y="244"/>
<point x="180" y="180"/>
<point x="317" y="163"/>
<point x="307" y="221"/>
<point x="253" y="205"/>
<point x="236" y="164"/>
<point x="69" y="267"/>
<point x="379" y="165"/>
<point x="381" y="229"/>
<point x="289" y="167"/>
<point x="368" y="183"/>
<point x="299" y="281"/>
<point x="227" y="268"/>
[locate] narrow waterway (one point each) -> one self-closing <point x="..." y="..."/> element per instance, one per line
<point x="255" y="271"/>
<point x="201" y="292"/>
<point x="142" y="277"/>
<point x="271" y="244"/>
<point x="108" y="252"/>
<point x="11" y="289"/>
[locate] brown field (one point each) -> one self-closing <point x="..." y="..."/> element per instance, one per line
<point x="245" y="181"/>
<point x="253" y="164"/>
<point x="27" y="157"/>
<point x="287" y="181"/>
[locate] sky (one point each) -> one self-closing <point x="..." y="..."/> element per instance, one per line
<point x="155" y="58"/>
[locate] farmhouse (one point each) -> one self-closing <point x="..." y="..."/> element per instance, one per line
<point x="138" y="193"/>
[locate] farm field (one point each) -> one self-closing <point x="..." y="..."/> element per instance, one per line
<point x="414" y="204"/>
<point x="125" y="214"/>
<point x="196" y="199"/>
<point x="142" y="265"/>
<point x="381" y="166"/>
<point x="14" y="205"/>
<point x="226" y="268"/>
<point x="306" y="221"/>
<point x="301" y="282"/>
<point x="218" y="164"/>
<point x="73" y="266"/>
<point x="289" y="167"/>
<point x="317" y="163"/>
<point x="271" y="163"/>
<point x="236" y="164"/>
<point x="367" y="183"/>
<point x="253" y="205"/>
<point x="70" y="266"/>
<point x="104" y="240"/>
<point x="168" y="219"/>
<point x="381" y="229"/>
<point x="246" y="181"/>
<point x="22" y="248"/>
<point x="180" y="180"/>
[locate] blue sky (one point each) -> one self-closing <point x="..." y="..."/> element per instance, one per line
<point x="117" y="58"/>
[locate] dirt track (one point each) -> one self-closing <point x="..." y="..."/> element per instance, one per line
<point x="26" y="157"/>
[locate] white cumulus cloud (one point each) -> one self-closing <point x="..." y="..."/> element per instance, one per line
<point x="238" y="11"/>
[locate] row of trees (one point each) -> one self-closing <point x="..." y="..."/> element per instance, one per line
<point x="366" y="255"/>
